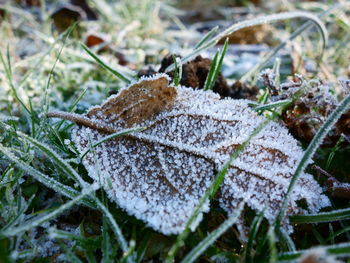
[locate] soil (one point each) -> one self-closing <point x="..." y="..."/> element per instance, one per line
<point x="194" y="74"/>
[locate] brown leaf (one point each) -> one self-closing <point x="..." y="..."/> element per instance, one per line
<point x="66" y="15"/>
<point x="94" y="40"/>
<point x="159" y="174"/>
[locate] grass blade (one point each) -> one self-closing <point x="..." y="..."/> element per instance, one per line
<point x="72" y="173"/>
<point x="107" y="252"/>
<point x="213" y="188"/>
<point x="116" y="229"/>
<point x="342" y="249"/>
<point x="42" y="178"/>
<point x="36" y="222"/>
<point x="213" y="236"/>
<point x="119" y="75"/>
<point x="272" y="245"/>
<point x="253" y="231"/>
<point x="253" y="22"/>
<point x="46" y="91"/>
<point x="206" y="37"/>
<point x="311" y="149"/>
<point x="68" y="192"/>
<point x="215" y="68"/>
<point x="335" y="215"/>
<point x="10" y="81"/>
<point x="210" y="75"/>
<point x="112" y="136"/>
<point x="64" y="166"/>
<point x="270" y="106"/>
<point x="271" y="54"/>
<point x="177" y="71"/>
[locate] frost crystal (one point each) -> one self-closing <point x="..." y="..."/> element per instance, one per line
<point x="159" y="174"/>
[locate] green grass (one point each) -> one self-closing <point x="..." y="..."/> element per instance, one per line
<point x="46" y="196"/>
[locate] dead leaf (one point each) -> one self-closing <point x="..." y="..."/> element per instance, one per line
<point x="94" y="40"/>
<point x="159" y="174"/>
<point x="67" y="15"/>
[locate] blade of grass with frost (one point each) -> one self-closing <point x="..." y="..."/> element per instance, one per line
<point x="333" y="151"/>
<point x="215" y="68"/>
<point x="44" y="179"/>
<point x="33" y="117"/>
<point x="273" y="53"/>
<point x="8" y="57"/>
<point x="128" y="256"/>
<point x="210" y="192"/>
<point x="178" y="61"/>
<point x="206" y="37"/>
<point x="272" y="245"/>
<point x="46" y="102"/>
<point x="112" y="136"/>
<point x="310" y="151"/>
<point x="177" y="71"/>
<point x="86" y="242"/>
<point x="53" y="131"/>
<point x="253" y="231"/>
<point x="53" y="156"/>
<point x="72" y="173"/>
<point x="197" y="251"/>
<point x="50" y="153"/>
<point x="253" y="22"/>
<point x="19" y="214"/>
<point x="276" y="72"/>
<point x="143" y="247"/>
<point x="287" y="240"/>
<point x="39" y="61"/>
<point x="114" y="225"/>
<point x="71" y="108"/>
<point x="270" y="106"/>
<point x="318" y="236"/>
<point x="335" y="215"/>
<point x="338" y="233"/>
<point x="10" y="81"/>
<point x="37" y="222"/>
<point x="211" y="71"/>
<point x="69" y="254"/>
<point x="106" y="243"/>
<point x="119" y="75"/>
<point x="342" y="250"/>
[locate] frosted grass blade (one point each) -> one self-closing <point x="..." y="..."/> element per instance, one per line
<point x="253" y="22"/>
<point x="342" y="249"/>
<point x="213" y="188"/>
<point x="44" y="179"/>
<point x="311" y="149"/>
<point x="36" y="222"/>
<point x="116" y="73"/>
<point x="271" y="54"/>
<point x="335" y="215"/>
<point x="213" y="236"/>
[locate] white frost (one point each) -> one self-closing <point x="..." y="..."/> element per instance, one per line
<point x="158" y="175"/>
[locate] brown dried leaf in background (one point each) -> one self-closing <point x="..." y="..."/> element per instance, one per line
<point x="194" y="74"/>
<point x="252" y="35"/>
<point x="312" y="103"/>
<point x="94" y="40"/>
<point x="159" y="174"/>
<point x="67" y="15"/>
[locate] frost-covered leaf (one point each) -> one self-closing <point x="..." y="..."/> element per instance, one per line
<point x="159" y="174"/>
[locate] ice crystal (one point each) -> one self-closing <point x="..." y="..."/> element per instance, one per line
<point x="159" y="174"/>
